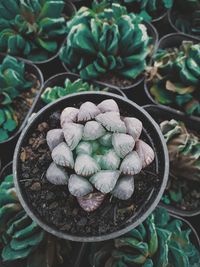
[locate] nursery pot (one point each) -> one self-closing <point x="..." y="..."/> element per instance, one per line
<point x="171" y="17"/>
<point x="83" y="256"/>
<point x="59" y="79"/>
<point x="169" y="41"/>
<point x="8" y="145"/>
<point x="160" y="114"/>
<point x="152" y="32"/>
<point x="152" y="135"/>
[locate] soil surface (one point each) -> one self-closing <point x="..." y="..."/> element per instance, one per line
<point x="55" y="206"/>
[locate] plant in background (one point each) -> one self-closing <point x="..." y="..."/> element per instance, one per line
<point x="184" y="150"/>
<point x="97" y="152"/>
<point x="176" y="77"/>
<point x="147" y="9"/>
<point x="22" y="238"/>
<point x="50" y="94"/>
<point x="185" y="15"/>
<point x="159" y="241"/>
<point x="13" y="82"/>
<point x="108" y="41"/>
<point x="31" y="29"/>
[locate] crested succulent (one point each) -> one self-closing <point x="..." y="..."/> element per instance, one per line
<point x="22" y="238"/>
<point x="13" y="82"/>
<point x="176" y="77"/>
<point x="184" y="150"/>
<point x="31" y="29"/>
<point x="160" y="241"/>
<point x="19" y="234"/>
<point x="108" y="41"/>
<point x="96" y="152"/>
<point x="50" y="94"/>
<point x="147" y="9"/>
<point x="185" y="16"/>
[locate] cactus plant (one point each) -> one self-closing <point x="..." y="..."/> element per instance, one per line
<point x="31" y="29"/>
<point x="50" y="94"/>
<point x="159" y="241"/>
<point x="97" y="152"/>
<point x="147" y="9"/>
<point x="185" y="16"/>
<point x="108" y="41"/>
<point x="22" y="238"/>
<point x="13" y="82"/>
<point x="176" y="77"/>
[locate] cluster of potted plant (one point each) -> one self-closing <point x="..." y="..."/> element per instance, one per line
<point x="90" y="165"/>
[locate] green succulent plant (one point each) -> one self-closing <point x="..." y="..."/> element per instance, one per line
<point x="97" y="152"/>
<point x="13" y="82"/>
<point x="31" y="28"/>
<point x="147" y="9"/>
<point x="176" y="77"/>
<point x="159" y="241"/>
<point x="186" y="15"/>
<point x="22" y="238"/>
<point x="106" y="41"/>
<point x="184" y="150"/>
<point x="50" y="94"/>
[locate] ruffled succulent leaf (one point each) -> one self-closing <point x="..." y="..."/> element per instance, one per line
<point x="131" y="164"/>
<point x="106" y="140"/>
<point x="145" y="153"/>
<point x="134" y="127"/>
<point x="93" y="130"/>
<point x="88" y="111"/>
<point x="62" y="155"/>
<point x="105" y="181"/>
<point x="73" y="133"/>
<point x="108" y="106"/>
<point x="57" y="175"/>
<point x="79" y="186"/>
<point x="111" y="121"/>
<point x="54" y="137"/>
<point x="91" y="202"/>
<point x="110" y="160"/>
<point x="124" y="188"/>
<point x="123" y="144"/>
<point x="84" y="148"/>
<point x="68" y="115"/>
<point x="85" y="165"/>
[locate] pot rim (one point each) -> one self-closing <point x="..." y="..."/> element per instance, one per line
<point x="105" y="236"/>
<point x="41" y="80"/>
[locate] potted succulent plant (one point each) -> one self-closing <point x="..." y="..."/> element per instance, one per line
<point x="184" y="17"/>
<point x="64" y="84"/>
<point x="102" y="45"/>
<point x="161" y="240"/>
<point x="174" y="78"/>
<point x="23" y="243"/>
<point x="149" y="10"/>
<point x="34" y="30"/>
<point x="83" y="164"/>
<point x="20" y="84"/>
<point x="182" y="194"/>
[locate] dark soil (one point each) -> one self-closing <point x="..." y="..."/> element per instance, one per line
<point x="55" y="206"/>
<point x="118" y="80"/>
<point x="182" y="194"/>
<point x="23" y="103"/>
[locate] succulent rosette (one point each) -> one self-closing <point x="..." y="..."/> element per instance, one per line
<point x="159" y="241"/>
<point x="31" y="29"/>
<point x="176" y="77"/>
<point x="13" y="82"/>
<point x="147" y="9"/>
<point x="184" y="150"/>
<point x="50" y="94"/>
<point x="109" y="40"/>
<point x="96" y="152"/>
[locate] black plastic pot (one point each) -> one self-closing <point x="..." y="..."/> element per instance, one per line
<point x="7" y="146"/>
<point x="59" y="79"/>
<point x="151" y="133"/>
<point x="128" y="89"/>
<point x="76" y="247"/>
<point x="168" y="41"/>
<point x="160" y="114"/>
<point x="171" y="15"/>
<point x="83" y="256"/>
